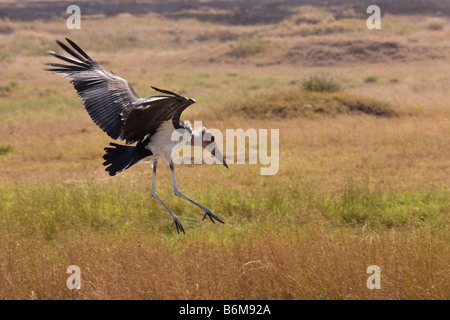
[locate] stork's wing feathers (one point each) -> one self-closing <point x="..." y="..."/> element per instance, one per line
<point x="112" y="102"/>
<point x="106" y="96"/>
<point x="146" y="119"/>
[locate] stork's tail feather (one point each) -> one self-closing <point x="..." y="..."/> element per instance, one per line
<point x="120" y="158"/>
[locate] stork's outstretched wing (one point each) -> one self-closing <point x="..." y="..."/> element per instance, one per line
<point x="106" y="96"/>
<point x="145" y="119"/>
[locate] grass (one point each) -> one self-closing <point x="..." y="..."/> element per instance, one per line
<point x="295" y="103"/>
<point x="5" y="149"/>
<point x="8" y="88"/>
<point x="57" y="211"/>
<point x="246" y="46"/>
<point x="370" y="79"/>
<point x="436" y="25"/>
<point x="321" y="83"/>
<point x="257" y="254"/>
<point x="363" y="177"/>
<point x="4" y="56"/>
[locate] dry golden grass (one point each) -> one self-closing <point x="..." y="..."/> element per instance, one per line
<point x="352" y="190"/>
<point x="309" y="263"/>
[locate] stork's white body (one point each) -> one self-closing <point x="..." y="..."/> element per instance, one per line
<point x="163" y="143"/>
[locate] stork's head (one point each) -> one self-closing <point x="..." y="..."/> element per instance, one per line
<point x="206" y="138"/>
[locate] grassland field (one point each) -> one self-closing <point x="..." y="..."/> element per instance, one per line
<point x="364" y="171"/>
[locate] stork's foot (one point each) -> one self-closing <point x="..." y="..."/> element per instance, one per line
<point x="211" y="216"/>
<point x="178" y="224"/>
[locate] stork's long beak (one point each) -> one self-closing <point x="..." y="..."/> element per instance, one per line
<point x="215" y="151"/>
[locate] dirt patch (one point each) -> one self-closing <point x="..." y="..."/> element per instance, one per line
<point x="330" y="53"/>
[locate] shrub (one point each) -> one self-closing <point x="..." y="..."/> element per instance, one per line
<point x="370" y="79"/>
<point x="5" y="149"/>
<point x="321" y="83"/>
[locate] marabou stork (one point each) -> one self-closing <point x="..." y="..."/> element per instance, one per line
<point x="116" y="108"/>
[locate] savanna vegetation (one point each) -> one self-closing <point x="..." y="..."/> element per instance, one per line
<point x="364" y="158"/>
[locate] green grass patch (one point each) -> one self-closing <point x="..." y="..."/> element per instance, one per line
<point x="370" y="79"/>
<point x="44" y="101"/>
<point x="373" y="208"/>
<point x="321" y="83"/>
<point x="53" y="211"/>
<point x="5" y="149"/>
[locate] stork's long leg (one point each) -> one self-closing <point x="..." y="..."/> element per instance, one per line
<point x="177" y="192"/>
<point x="176" y="221"/>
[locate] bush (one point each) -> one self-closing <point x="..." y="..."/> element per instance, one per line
<point x="321" y="83"/>
<point x="5" y="149"/>
<point x="370" y="79"/>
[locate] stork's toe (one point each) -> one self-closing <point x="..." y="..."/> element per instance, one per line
<point x="178" y="225"/>
<point x="212" y="216"/>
